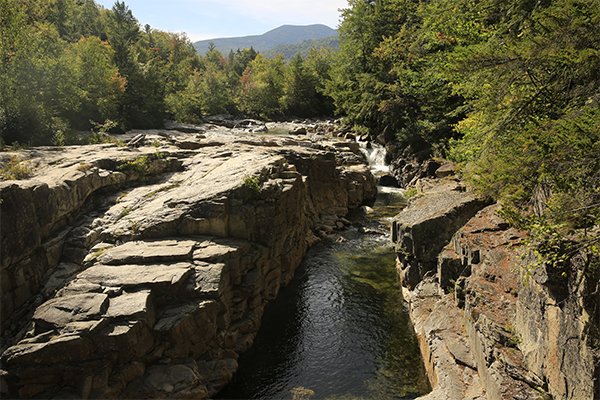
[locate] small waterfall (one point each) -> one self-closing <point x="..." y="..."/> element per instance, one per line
<point x="375" y="154"/>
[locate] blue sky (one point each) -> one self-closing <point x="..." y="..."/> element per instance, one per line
<point x="202" y="19"/>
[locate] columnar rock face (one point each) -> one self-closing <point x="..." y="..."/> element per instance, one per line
<point x="427" y="225"/>
<point x="555" y="321"/>
<point x="144" y="272"/>
<point x="487" y="330"/>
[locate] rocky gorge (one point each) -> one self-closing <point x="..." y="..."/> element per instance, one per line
<point x="142" y="271"/>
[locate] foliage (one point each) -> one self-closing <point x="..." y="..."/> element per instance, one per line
<point x="253" y="183"/>
<point x="529" y="75"/>
<point x="215" y="93"/>
<point x="66" y="63"/>
<point x="262" y="87"/>
<point x="510" y="90"/>
<point x="60" y="129"/>
<point x="410" y="193"/>
<point x="99" y="132"/>
<point x="138" y="165"/>
<point x="15" y="169"/>
<point x="299" y="91"/>
<point x="45" y="79"/>
<point x="84" y="167"/>
<point x="304" y="48"/>
<point x="186" y="106"/>
<point x="301" y="393"/>
<point x="387" y="76"/>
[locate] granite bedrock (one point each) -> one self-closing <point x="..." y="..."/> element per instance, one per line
<point x="487" y="328"/>
<point x="143" y="272"/>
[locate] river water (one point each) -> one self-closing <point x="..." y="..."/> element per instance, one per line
<point x="340" y="329"/>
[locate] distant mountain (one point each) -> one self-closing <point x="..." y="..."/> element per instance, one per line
<point x="285" y="34"/>
<point x="290" y="50"/>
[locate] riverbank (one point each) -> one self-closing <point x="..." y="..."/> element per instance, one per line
<point x="489" y="327"/>
<point x="142" y="271"/>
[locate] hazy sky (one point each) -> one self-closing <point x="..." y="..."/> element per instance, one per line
<point x="204" y="19"/>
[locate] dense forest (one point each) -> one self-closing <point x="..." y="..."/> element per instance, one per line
<point x="289" y="51"/>
<point x="72" y="65"/>
<point x="509" y="90"/>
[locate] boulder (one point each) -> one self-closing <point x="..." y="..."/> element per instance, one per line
<point x="447" y="169"/>
<point x="148" y="251"/>
<point x="388" y="180"/>
<point x="298" y="131"/>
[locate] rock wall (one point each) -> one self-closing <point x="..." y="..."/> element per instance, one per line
<point x="486" y="329"/>
<point x="144" y="273"/>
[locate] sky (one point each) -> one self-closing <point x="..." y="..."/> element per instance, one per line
<point x="205" y="19"/>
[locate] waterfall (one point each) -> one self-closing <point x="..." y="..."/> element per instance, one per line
<point x="375" y="154"/>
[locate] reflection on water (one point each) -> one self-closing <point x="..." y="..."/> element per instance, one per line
<point x="339" y="330"/>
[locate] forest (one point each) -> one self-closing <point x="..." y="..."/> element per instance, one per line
<point x="509" y="91"/>
<point x="71" y="65"/>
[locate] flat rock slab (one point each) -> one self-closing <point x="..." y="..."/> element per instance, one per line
<point x="142" y="252"/>
<point x="207" y="282"/>
<point x="173" y="316"/>
<point x="67" y="348"/>
<point x="129" y="276"/>
<point x="131" y="305"/>
<point x="213" y="251"/>
<point x="63" y="310"/>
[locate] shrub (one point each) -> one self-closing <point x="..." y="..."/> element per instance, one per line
<point x="15" y="169"/>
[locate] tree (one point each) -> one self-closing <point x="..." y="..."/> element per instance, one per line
<point x="319" y="62"/>
<point x="262" y="87"/>
<point x="186" y="105"/>
<point x="33" y="79"/>
<point x="300" y="89"/>
<point x="215" y="92"/>
<point x="539" y="68"/>
<point x="532" y="131"/>
<point x="99" y="85"/>
<point x="143" y="103"/>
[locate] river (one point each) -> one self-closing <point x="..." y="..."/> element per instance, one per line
<point x="340" y="329"/>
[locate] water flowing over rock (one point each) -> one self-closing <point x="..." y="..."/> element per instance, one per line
<point x="143" y="272"/>
<point x="488" y="330"/>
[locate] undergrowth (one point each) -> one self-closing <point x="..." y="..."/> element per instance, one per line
<point x="16" y="169"/>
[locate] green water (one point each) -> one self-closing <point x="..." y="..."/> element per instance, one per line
<point x="340" y="329"/>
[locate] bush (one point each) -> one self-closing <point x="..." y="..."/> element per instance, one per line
<point x="16" y="169"/>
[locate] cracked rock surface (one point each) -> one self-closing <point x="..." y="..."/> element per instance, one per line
<point x="143" y="272"/>
<point x="486" y="328"/>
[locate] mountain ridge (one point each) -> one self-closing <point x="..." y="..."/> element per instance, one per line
<point x="282" y="35"/>
<point x="289" y="51"/>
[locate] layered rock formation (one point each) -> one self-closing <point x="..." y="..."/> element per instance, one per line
<point x="143" y="272"/>
<point x="487" y="328"/>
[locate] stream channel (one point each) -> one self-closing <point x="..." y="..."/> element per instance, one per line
<point x="340" y="329"/>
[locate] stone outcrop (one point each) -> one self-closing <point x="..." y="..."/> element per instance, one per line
<point x="426" y="226"/>
<point x="143" y="272"/>
<point x="486" y="328"/>
<point x="558" y="322"/>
